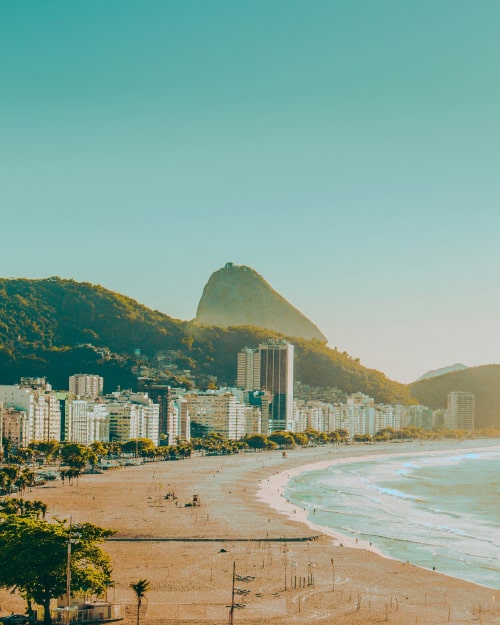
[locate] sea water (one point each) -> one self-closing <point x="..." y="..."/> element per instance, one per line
<point x="439" y="509"/>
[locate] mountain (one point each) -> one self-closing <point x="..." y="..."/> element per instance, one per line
<point x="55" y="327"/>
<point x="237" y="295"/>
<point x="434" y="373"/>
<point x="483" y="381"/>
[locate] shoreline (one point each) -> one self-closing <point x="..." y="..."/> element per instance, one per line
<point x="297" y="574"/>
<point x="272" y="492"/>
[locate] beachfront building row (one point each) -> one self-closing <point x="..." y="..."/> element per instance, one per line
<point x="30" y="412"/>
<point x="360" y="415"/>
<point x="269" y="369"/>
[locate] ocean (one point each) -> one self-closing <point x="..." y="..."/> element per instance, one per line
<point x="434" y="507"/>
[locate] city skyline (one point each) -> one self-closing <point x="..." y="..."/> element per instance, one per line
<point x="345" y="151"/>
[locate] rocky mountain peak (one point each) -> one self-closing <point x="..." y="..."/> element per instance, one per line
<point x="237" y="295"/>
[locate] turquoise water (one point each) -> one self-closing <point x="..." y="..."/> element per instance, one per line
<point x="435" y="508"/>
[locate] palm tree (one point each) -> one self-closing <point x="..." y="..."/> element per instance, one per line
<point x="9" y="477"/>
<point x="25" y="479"/>
<point x="23" y="507"/>
<point x="140" y="587"/>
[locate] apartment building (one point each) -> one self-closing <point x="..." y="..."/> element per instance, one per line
<point x="460" y="411"/>
<point x="41" y="406"/>
<point x="132" y="415"/>
<point x="219" y="412"/>
<point x="86" y="386"/>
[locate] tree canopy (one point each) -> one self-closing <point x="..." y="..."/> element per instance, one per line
<point x="34" y="553"/>
<point x="139" y="447"/>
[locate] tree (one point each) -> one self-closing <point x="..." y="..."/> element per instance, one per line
<point x="99" y="449"/>
<point x="23" y="507"/>
<point x="48" y="448"/>
<point x="70" y="474"/>
<point x="283" y="439"/>
<point x="259" y="441"/>
<point x="8" y="477"/>
<point x="139" y="446"/>
<point x="140" y="587"/>
<point x="300" y="438"/>
<point x="34" y="556"/>
<point x="75" y="456"/>
<point x="183" y="449"/>
<point x="25" y="479"/>
<point x="256" y="441"/>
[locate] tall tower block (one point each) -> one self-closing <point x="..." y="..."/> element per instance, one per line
<point x="276" y="377"/>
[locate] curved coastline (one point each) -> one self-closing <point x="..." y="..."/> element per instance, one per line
<point x="273" y="490"/>
<point x="298" y="575"/>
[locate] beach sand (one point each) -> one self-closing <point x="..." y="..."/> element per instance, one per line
<point x="295" y="573"/>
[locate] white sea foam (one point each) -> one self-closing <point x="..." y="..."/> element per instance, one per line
<point x="437" y="508"/>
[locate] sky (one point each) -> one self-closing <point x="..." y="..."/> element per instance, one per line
<point x="348" y="151"/>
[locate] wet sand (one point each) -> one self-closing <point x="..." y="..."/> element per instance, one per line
<point x="294" y="573"/>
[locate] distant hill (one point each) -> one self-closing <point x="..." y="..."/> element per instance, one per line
<point x="237" y="295"/>
<point x="436" y="372"/>
<point x="55" y="327"/>
<point x="483" y="381"/>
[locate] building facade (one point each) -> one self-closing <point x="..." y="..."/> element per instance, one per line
<point x="132" y="415"/>
<point x="41" y="406"/>
<point x="276" y="377"/>
<point x="460" y="411"/>
<point x="248" y="369"/>
<point x="86" y="386"/>
<point x="217" y="412"/>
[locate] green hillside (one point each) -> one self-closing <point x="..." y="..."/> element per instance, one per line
<point x="55" y="327"/>
<point x="483" y="381"/>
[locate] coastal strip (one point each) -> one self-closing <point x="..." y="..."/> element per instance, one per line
<point x="293" y="580"/>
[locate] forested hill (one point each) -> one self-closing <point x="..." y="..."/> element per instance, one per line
<point x="55" y="327"/>
<point x="483" y="381"/>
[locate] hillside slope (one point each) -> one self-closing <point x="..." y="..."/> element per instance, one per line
<point x="237" y="295"/>
<point x="47" y="325"/>
<point x="483" y="381"/>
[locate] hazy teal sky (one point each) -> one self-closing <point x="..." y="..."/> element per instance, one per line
<point x="349" y="151"/>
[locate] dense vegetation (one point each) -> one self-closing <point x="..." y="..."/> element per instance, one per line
<point x="53" y="327"/>
<point x="483" y="381"/>
<point x="34" y="556"/>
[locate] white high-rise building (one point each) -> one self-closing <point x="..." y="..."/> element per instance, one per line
<point x="360" y="414"/>
<point x="41" y="407"/>
<point x="17" y="427"/>
<point x="133" y="416"/>
<point x="86" y="386"/>
<point x="220" y="413"/>
<point x="88" y="422"/>
<point x="248" y="373"/>
<point x="460" y="411"/>
<point x="253" y="420"/>
<point x="178" y="420"/>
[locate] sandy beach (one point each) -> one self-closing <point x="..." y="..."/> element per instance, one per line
<point x="294" y="572"/>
